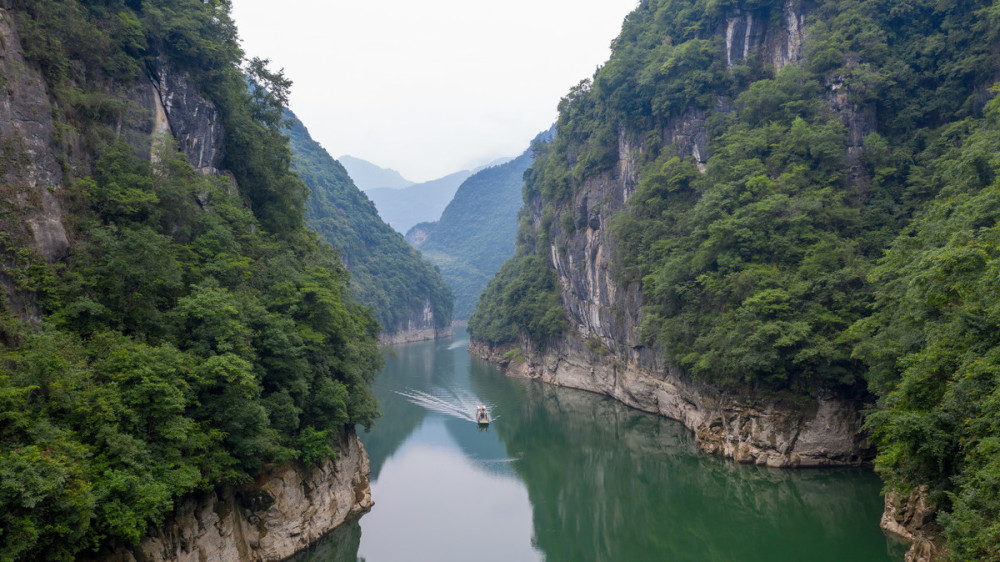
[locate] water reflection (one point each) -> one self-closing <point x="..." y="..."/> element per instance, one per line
<point x="569" y="476"/>
<point x="610" y="483"/>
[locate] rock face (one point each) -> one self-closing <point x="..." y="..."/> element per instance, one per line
<point x="286" y="509"/>
<point x="913" y="519"/>
<point x="167" y="103"/>
<point x="604" y="353"/>
<point x="35" y="164"/>
<point x="752" y="31"/>
<point x="817" y="432"/>
<point x="283" y="512"/>
<point x="420" y="326"/>
<point x="30" y="172"/>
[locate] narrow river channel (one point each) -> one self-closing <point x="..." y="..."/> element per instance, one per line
<point x="568" y="476"/>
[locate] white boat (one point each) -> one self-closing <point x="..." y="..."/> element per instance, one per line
<point x="482" y="418"/>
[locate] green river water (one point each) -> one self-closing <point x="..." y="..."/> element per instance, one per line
<point x="564" y="475"/>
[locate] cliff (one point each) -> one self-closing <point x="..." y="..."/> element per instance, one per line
<point x="793" y="433"/>
<point x="169" y="327"/>
<point x="30" y="211"/>
<point x="283" y="512"/>
<point x="913" y="518"/>
<point x="604" y="350"/>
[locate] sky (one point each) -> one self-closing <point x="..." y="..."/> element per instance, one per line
<point x="429" y="87"/>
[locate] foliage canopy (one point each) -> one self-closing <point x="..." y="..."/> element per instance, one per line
<point x="198" y="331"/>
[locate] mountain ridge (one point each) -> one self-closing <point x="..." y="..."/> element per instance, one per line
<point x="367" y="175"/>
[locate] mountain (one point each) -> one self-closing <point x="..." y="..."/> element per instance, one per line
<point x="370" y="176"/>
<point x="475" y="234"/>
<point x="492" y="163"/>
<point x="780" y="215"/>
<point x="406" y="292"/>
<point x="422" y="202"/>
<point x="172" y="335"/>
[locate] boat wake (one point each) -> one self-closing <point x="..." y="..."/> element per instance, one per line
<point x="460" y="405"/>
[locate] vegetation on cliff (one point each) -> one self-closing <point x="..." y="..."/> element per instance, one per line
<point x="787" y="253"/>
<point x="476" y="231"/>
<point x="197" y="332"/>
<point x="387" y="274"/>
<point x="933" y="341"/>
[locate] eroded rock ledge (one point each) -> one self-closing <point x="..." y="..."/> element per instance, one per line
<point x="913" y="518"/>
<point x="283" y="512"/>
<point x="819" y="431"/>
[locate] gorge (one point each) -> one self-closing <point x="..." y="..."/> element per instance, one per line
<point x="774" y="222"/>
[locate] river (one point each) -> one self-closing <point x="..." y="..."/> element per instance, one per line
<point x="568" y="476"/>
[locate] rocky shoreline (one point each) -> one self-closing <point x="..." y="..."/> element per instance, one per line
<point x="820" y="431"/>
<point x="913" y="518"/>
<point x="283" y="512"/>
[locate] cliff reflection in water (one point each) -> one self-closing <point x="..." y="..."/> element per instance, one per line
<point x="610" y="483"/>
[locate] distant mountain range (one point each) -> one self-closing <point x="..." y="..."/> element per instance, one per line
<point x="386" y="272"/>
<point x="368" y="176"/>
<point x="403" y="203"/>
<point x="477" y="229"/>
<point x="422" y="202"/>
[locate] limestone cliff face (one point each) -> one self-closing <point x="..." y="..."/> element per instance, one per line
<point x="913" y="518"/>
<point x="593" y="300"/>
<point x="283" y="512"/>
<point x="603" y="351"/>
<point x="287" y="508"/>
<point x="167" y="103"/>
<point x="31" y="174"/>
<point x="822" y="431"/>
<point x="36" y="164"/>
<point x="418" y="326"/>
<point x="751" y="31"/>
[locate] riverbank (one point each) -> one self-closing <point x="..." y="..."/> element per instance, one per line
<point x="283" y="512"/>
<point x="807" y="432"/>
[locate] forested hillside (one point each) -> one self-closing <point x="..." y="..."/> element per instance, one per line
<point x="475" y="234"/>
<point x="809" y="206"/>
<point x="162" y="331"/>
<point x="386" y="273"/>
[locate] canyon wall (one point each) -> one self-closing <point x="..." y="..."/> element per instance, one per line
<point x="283" y="512"/>
<point x="821" y="431"/>
<point x="288" y="507"/>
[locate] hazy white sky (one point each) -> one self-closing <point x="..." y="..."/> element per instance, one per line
<point x="429" y="87"/>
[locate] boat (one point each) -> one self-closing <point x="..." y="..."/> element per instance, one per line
<point x="482" y="418"/>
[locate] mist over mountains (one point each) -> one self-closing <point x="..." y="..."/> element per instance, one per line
<point x="371" y="176"/>
<point x="422" y="202"/>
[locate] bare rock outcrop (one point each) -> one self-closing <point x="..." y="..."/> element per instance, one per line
<point x="283" y="512"/>
<point x="30" y="171"/>
<point x="913" y="518"/>
<point x="419" y="325"/>
<point x="817" y="431"/>
<point x="167" y="103"/>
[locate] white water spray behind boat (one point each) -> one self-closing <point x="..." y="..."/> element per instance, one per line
<point x="460" y="405"/>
